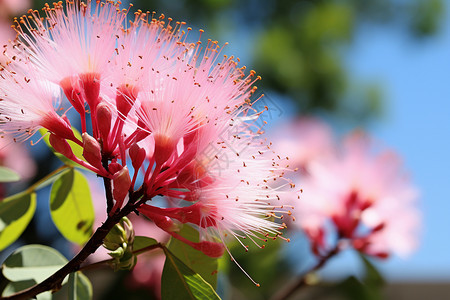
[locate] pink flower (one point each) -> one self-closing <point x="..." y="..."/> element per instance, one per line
<point x="29" y="103"/>
<point x="172" y="109"/>
<point x="71" y="47"/>
<point x="364" y="196"/>
<point x="16" y="157"/>
<point x="303" y="141"/>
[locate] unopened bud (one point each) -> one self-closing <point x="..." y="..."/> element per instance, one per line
<point x="166" y="224"/>
<point x="104" y="117"/>
<point x="119" y="242"/>
<point x="137" y="155"/>
<point x="61" y="146"/>
<point x="210" y="249"/>
<point x="121" y="184"/>
<point x="92" y="151"/>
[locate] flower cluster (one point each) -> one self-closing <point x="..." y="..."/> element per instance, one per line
<point x="354" y="192"/>
<point x="159" y="117"/>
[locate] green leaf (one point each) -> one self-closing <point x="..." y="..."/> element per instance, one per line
<point x="15" y="214"/>
<point x="76" y="149"/>
<point x="370" y="288"/>
<point x="141" y="242"/>
<point x="8" y="175"/>
<point x="14" y="287"/>
<point x="80" y="288"/>
<point x="32" y="262"/>
<point x="372" y="276"/>
<point x="196" y="260"/>
<point x="180" y="282"/>
<point x="71" y="207"/>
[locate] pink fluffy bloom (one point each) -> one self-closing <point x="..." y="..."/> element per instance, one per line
<point x="167" y="109"/>
<point x="303" y="141"/>
<point x="29" y="103"/>
<point x="71" y="47"/>
<point x="364" y="196"/>
<point x="16" y="157"/>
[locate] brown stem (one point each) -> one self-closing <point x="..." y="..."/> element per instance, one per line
<point x="300" y="282"/>
<point x="108" y="186"/>
<point x="54" y="282"/>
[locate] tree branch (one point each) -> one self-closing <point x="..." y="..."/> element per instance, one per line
<point x="300" y="282"/>
<point x="54" y="282"/>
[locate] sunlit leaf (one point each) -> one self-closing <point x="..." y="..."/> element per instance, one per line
<point x="15" y="214"/>
<point x="32" y="262"/>
<point x="8" y="175"/>
<point x="71" y="207"/>
<point x="180" y="282"/>
<point x="76" y="149"/>
<point x="196" y="260"/>
<point x="80" y="288"/>
<point x="51" y="178"/>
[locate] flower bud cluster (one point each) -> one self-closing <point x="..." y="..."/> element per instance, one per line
<point x="120" y="242"/>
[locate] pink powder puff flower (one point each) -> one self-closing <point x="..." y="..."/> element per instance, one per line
<point x="303" y="141"/>
<point x="13" y="7"/>
<point x="71" y="46"/>
<point x="16" y="157"/>
<point x="29" y="103"/>
<point x="230" y="195"/>
<point x="367" y="197"/>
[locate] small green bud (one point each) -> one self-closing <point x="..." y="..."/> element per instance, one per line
<point x="120" y="243"/>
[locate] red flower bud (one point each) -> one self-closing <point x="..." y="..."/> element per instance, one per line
<point x="92" y="151"/>
<point x="210" y="248"/>
<point x="121" y="185"/>
<point x="104" y="116"/>
<point x="61" y="146"/>
<point x="137" y="155"/>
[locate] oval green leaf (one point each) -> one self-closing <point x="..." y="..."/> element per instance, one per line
<point x="14" y="287"/>
<point x="181" y="282"/>
<point x="71" y="207"/>
<point x="8" y="175"/>
<point x="32" y="262"/>
<point x="142" y="242"/>
<point x="80" y="288"/>
<point x="15" y="214"/>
